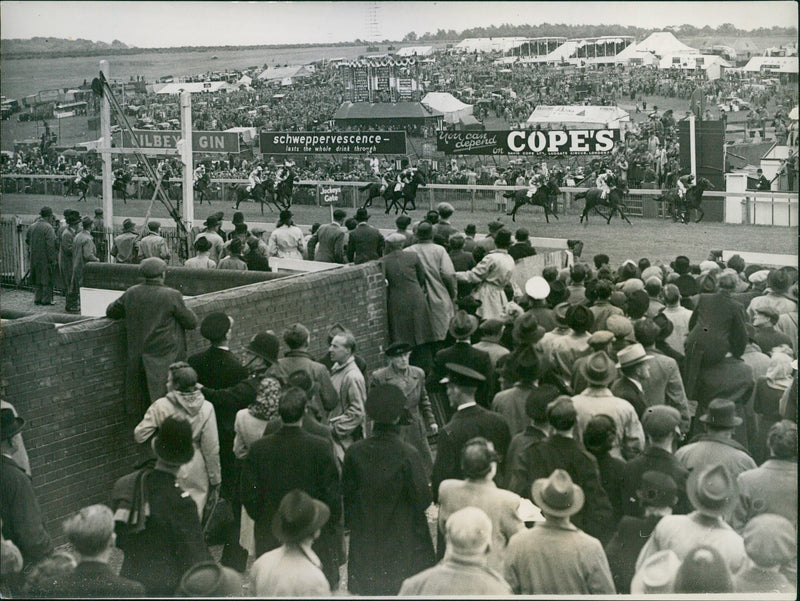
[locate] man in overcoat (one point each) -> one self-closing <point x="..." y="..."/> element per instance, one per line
<point x="365" y="242"/>
<point x="288" y="460"/>
<point x="330" y="240"/>
<point x="155" y="322"/>
<point x="65" y="257"/>
<point x="385" y="491"/>
<point x="41" y="240"/>
<point x="83" y="252"/>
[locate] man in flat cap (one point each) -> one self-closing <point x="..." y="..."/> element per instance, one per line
<point x="443" y="228"/>
<point x="124" y="248"/>
<point x="156" y="319"/>
<point x="153" y="244"/>
<point x="468" y="421"/>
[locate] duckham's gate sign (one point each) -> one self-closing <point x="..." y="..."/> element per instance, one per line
<point x="553" y="142"/>
<point x="202" y="141"/>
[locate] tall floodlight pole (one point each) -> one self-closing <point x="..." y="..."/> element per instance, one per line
<point x="692" y="144"/>
<point x="105" y="152"/>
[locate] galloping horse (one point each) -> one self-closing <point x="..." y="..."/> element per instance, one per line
<point x="121" y="183"/>
<point x="544" y="197"/>
<point x="261" y="193"/>
<point x="400" y="201"/>
<point x="693" y="199"/>
<point x="284" y="189"/>
<point x="82" y="186"/>
<point x="202" y="187"/>
<point x="594" y="199"/>
<point x="674" y="203"/>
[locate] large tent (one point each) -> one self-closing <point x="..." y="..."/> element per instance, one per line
<point x="415" y="51"/>
<point x="560" y="54"/>
<point x="710" y="63"/>
<point x="444" y="102"/>
<point x="634" y="55"/>
<point x="772" y="64"/>
<point x="662" y="43"/>
<point x="286" y="73"/>
<point x="574" y="117"/>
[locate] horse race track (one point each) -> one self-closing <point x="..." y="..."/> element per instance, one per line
<point x="655" y="239"/>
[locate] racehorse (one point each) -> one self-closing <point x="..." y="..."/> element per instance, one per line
<point x="263" y="192"/>
<point x="544" y="197"/>
<point x="594" y="199"/>
<point x="121" y="184"/>
<point x="284" y="189"/>
<point x="202" y="187"/>
<point x="400" y="201"/>
<point x="674" y="205"/>
<point x="693" y="199"/>
<point x="82" y="186"/>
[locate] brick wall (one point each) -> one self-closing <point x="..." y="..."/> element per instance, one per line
<point x="67" y="381"/>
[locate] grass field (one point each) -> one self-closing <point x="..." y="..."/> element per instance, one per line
<point x="656" y="239"/>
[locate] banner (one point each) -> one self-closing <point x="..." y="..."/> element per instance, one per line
<point x="202" y="141"/>
<point x="380" y="142"/>
<point x="556" y="142"/>
<point x="360" y="85"/>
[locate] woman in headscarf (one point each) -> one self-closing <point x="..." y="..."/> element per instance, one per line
<point x="766" y="400"/>
<point x="185" y="401"/>
<point x="286" y="241"/>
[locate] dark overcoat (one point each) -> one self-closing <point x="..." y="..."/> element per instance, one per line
<point x="155" y="322"/>
<point x="365" y="243"/>
<point x="407" y="308"/>
<point x="41" y="239"/>
<point x="94" y="579"/>
<point x="623" y="549"/>
<point x="171" y="542"/>
<point x="287" y="460"/>
<point x="653" y="459"/>
<point x="385" y="492"/>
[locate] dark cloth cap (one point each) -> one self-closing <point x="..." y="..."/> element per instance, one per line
<point x="657" y="489"/>
<point x="215" y="326"/>
<point x="126" y="225"/>
<point x="74" y="217"/>
<point x="579" y="317"/>
<point x="173" y="443"/>
<point x="265" y="345"/>
<point x="638" y="303"/>
<point x="686" y="284"/>
<point x="209" y="579"/>
<point x="397" y="348"/>
<point x="87" y="222"/>
<point x="153" y="226"/>
<point x="558" y="293"/>
<point x="362" y="214"/>
<point x="10" y="424"/>
<point x="660" y="420"/>
<point x="494" y="226"/>
<point x="211" y="221"/>
<point x="385" y="403"/>
<point x="152" y="267"/>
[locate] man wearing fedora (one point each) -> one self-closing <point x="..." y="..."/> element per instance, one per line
<point x="211" y="233"/>
<point x="717" y="445"/>
<point x="713" y="494"/>
<point x="293" y="569"/>
<point x="599" y="371"/>
<point x="555" y="557"/>
<point x="522" y="369"/>
<point x="479" y="466"/>
<point x="562" y="451"/>
<point x="385" y="491"/>
<point x="462" y="326"/>
<point x="418" y="420"/>
<point x="287" y="460"/>
<point x="600" y="340"/>
<point x="156" y="320"/>
<point x="632" y="362"/>
<point x="657" y="494"/>
<point x="468" y="421"/>
<point x="157" y="526"/>
<point x="365" y="242"/>
<point x="22" y="519"/>
<point x="124" y="247"/>
<point x="464" y="570"/>
<point x="42" y="247"/>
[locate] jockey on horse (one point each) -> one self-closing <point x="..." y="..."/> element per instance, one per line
<point x="199" y="172"/>
<point x="537" y="180"/>
<point x="255" y="178"/>
<point x="405" y="176"/>
<point x="604" y="182"/>
<point x="684" y="183"/>
<point x="81" y="171"/>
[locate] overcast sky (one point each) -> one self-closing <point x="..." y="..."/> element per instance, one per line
<point x="163" y="24"/>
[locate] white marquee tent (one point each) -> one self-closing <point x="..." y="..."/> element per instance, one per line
<point x="662" y="43"/>
<point x="446" y="103"/>
<point x="572" y="117"/>
<point x="772" y="64"/>
<point x="710" y="63"/>
<point x="560" y="54"/>
<point x="415" y="51"/>
<point x="489" y="44"/>
<point x="634" y="55"/>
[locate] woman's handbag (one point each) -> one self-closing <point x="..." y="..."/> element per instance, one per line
<point x="217" y="519"/>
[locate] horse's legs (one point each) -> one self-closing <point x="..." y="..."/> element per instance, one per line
<point x="702" y="214"/>
<point x="623" y="215"/>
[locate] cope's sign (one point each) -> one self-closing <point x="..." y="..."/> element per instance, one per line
<point x="554" y="142"/>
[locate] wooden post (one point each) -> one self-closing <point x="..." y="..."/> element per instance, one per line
<point x="105" y="153"/>
<point x="186" y="159"/>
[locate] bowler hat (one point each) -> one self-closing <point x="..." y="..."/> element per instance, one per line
<point x="10" y="424"/>
<point x="385" y="403"/>
<point x="461" y="374"/>
<point x="298" y="517"/>
<point x="152" y="267"/>
<point x="75" y="217"/>
<point x="211" y="221"/>
<point x="660" y="420"/>
<point x="362" y="214"/>
<point x="265" y="345"/>
<point x="712" y="490"/>
<point x="557" y="495"/>
<point x="770" y="540"/>
<point x="173" y="443"/>
<point x="215" y="325"/>
<point x="526" y="330"/>
<point x="657" y="489"/>
<point x="397" y="348"/>
<point x="477" y="456"/>
<point x="209" y="579"/>
<point x="494" y="226"/>
<point x="598" y="369"/>
<point x="537" y="287"/>
<point x="722" y="414"/>
<point x="631" y="355"/>
<point x="558" y="293"/>
<point x="579" y="318"/>
<point x="463" y="325"/>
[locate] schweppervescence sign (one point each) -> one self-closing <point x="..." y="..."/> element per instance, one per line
<point x="528" y="142"/>
<point x="340" y="142"/>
